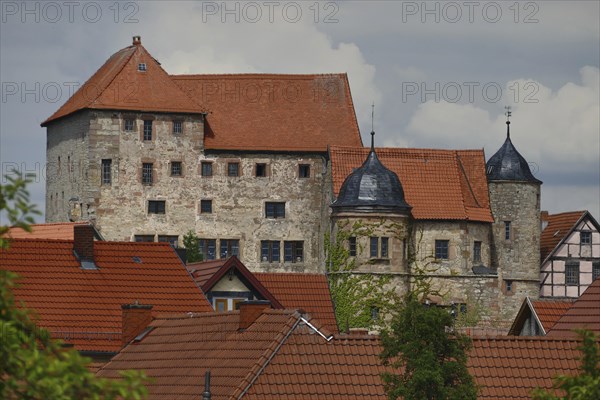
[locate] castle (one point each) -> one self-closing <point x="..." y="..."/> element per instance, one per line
<point x="262" y="166"/>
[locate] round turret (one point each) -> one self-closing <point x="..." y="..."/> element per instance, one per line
<point x="372" y="188"/>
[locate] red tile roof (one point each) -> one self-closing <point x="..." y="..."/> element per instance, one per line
<point x="510" y="367"/>
<point x="281" y="357"/>
<point x="59" y="230"/>
<point x="276" y="112"/>
<point x="584" y="313"/>
<point x="83" y="307"/>
<point x="549" y="312"/>
<point x="559" y="225"/>
<point x="118" y="85"/>
<point x="438" y="184"/>
<point x="308" y="292"/>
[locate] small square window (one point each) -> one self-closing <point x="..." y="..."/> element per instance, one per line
<point x="293" y="251"/>
<point x="595" y="270"/>
<point x="208" y="249"/>
<point x="147" y="173"/>
<point x="177" y="127"/>
<point x="476" y="251"/>
<point x="129" y="125"/>
<point x="207" y="169"/>
<point x="261" y="170"/>
<point x="269" y="251"/>
<point x="572" y="273"/>
<point x="508" y="286"/>
<point x="275" y="209"/>
<point x="106" y="172"/>
<point x="585" y="237"/>
<point x="304" y="171"/>
<point x="142" y="67"/>
<point x="171" y="239"/>
<point x="352" y="246"/>
<point x="156" y="206"/>
<point x="176" y="168"/>
<point x="233" y="169"/>
<point x="441" y="249"/>
<point x="147" y="130"/>
<point x="229" y="247"/>
<point x="205" y="206"/>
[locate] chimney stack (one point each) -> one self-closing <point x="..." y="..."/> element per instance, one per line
<point x="250" y="311"/>
<point x="83" y="245"/>
<point x="137" y="40"/>
<point x="135" y="318"/>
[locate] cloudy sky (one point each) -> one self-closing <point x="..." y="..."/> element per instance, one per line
<point x="439" y="73"/>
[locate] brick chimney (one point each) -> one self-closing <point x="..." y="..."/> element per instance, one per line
<point x="250" y="311"/>
<point x="135" y="318"/>
<point x="83" y="245"/>
<point x="137" y="40"/>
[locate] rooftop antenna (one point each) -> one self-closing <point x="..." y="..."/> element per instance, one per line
<point x="372" y="124"/>
<point x="508" y="113"/>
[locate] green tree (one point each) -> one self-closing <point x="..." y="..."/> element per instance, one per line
<point x="32" y="365"/>
<point x="586" y="385"/>
<point x="427" y="357"/>
<point x="192" y="247"/>
<point x="361" y="299"/>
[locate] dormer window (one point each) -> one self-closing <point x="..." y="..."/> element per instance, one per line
<point x="142" y="67"/>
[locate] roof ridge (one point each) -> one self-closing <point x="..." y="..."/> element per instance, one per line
<point x="256" y="74"/>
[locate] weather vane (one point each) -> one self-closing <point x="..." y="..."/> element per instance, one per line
<point x="508" y="113"/>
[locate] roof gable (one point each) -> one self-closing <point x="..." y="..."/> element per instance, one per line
<point x="274" y="112"/>
<point x="119" y="85"/>
<point x="438" y="184"/>
<point x="584" y="313"/>
<point x="83" y="307"/>
<point x="545" y="312"/>
<point x="560" y="228"/>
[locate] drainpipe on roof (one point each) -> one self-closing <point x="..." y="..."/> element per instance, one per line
<point x="206" y="394"/>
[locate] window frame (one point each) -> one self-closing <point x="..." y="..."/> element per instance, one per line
<point x="442" y="249"/>
<point x="477" y="251"/>
<point x="106" y="172"/>
<point x="572" y="272"/>
<point x="206" y="206"/>
<point x="296" y="251"/>
<point x="143" y="238"/>
<point x="352" y="246"/>
<point x="126" y="122"/>
<point x="263" y="167"/>
<point x="177" y="123"/>
<point x="206" y="168"/>
<point x="147" y="132"/>
<point x="237" y="169"/>
<point x="147" y="174"/>
<point x="230" y="245"/>
<point x="158" y="207"/>
<point x="304" y="171"/>
<point x="205" y="245"/>
<point x="173" y="168"/>
<point x="595" y="270"/>
<point x="275" y="209"/>
<point x="173" y="240"/>
<point x="273" y="251"/>
<point x="588" y="236"/>
<point x="507" y="230"/>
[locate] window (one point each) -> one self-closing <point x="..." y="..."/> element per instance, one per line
<point x="274" y="209"/>
<point x="147" y="129"/>
<point x="352" y="246"/>
<point x="177" y="127"/>
<point x="269" y="251"/>
<point x="205" y="206"/>
<point x="595" y="270"/>
<point x="229" y="247"/>
<point x="129" y="125"/>
<point x="171" y="239"/>
<point x="208" y="248"/>
<point x="144" y="238"/>
<point x="221" y="305"/>
<point x="374" y="313"/>
<point x="456" y="309"/>
<point x="156" y="206"/>
<point x="477" y="251"/>
<point x="142" y="67"/>
<point x="374" y="247"/>
<point x="233" y="169"/>
<point x="585" y="237"/>
<point x="572" y="273"/>
<point x="261" y="170"/>
<point x="441" y="249"/>
<point x="147" y="173"/>
<point x="106" y="172"/>
<point x="506" y="230"/>
<point x="206" y="168"/>
<point x="176" y="168"/>
<point x="293" y="251"/>
<point x="304" y="171"/>
<point x="509" y="286"/>
<point x="384" y="247"/>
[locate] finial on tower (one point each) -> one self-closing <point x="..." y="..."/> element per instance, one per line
<point x="508" y="113"/>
